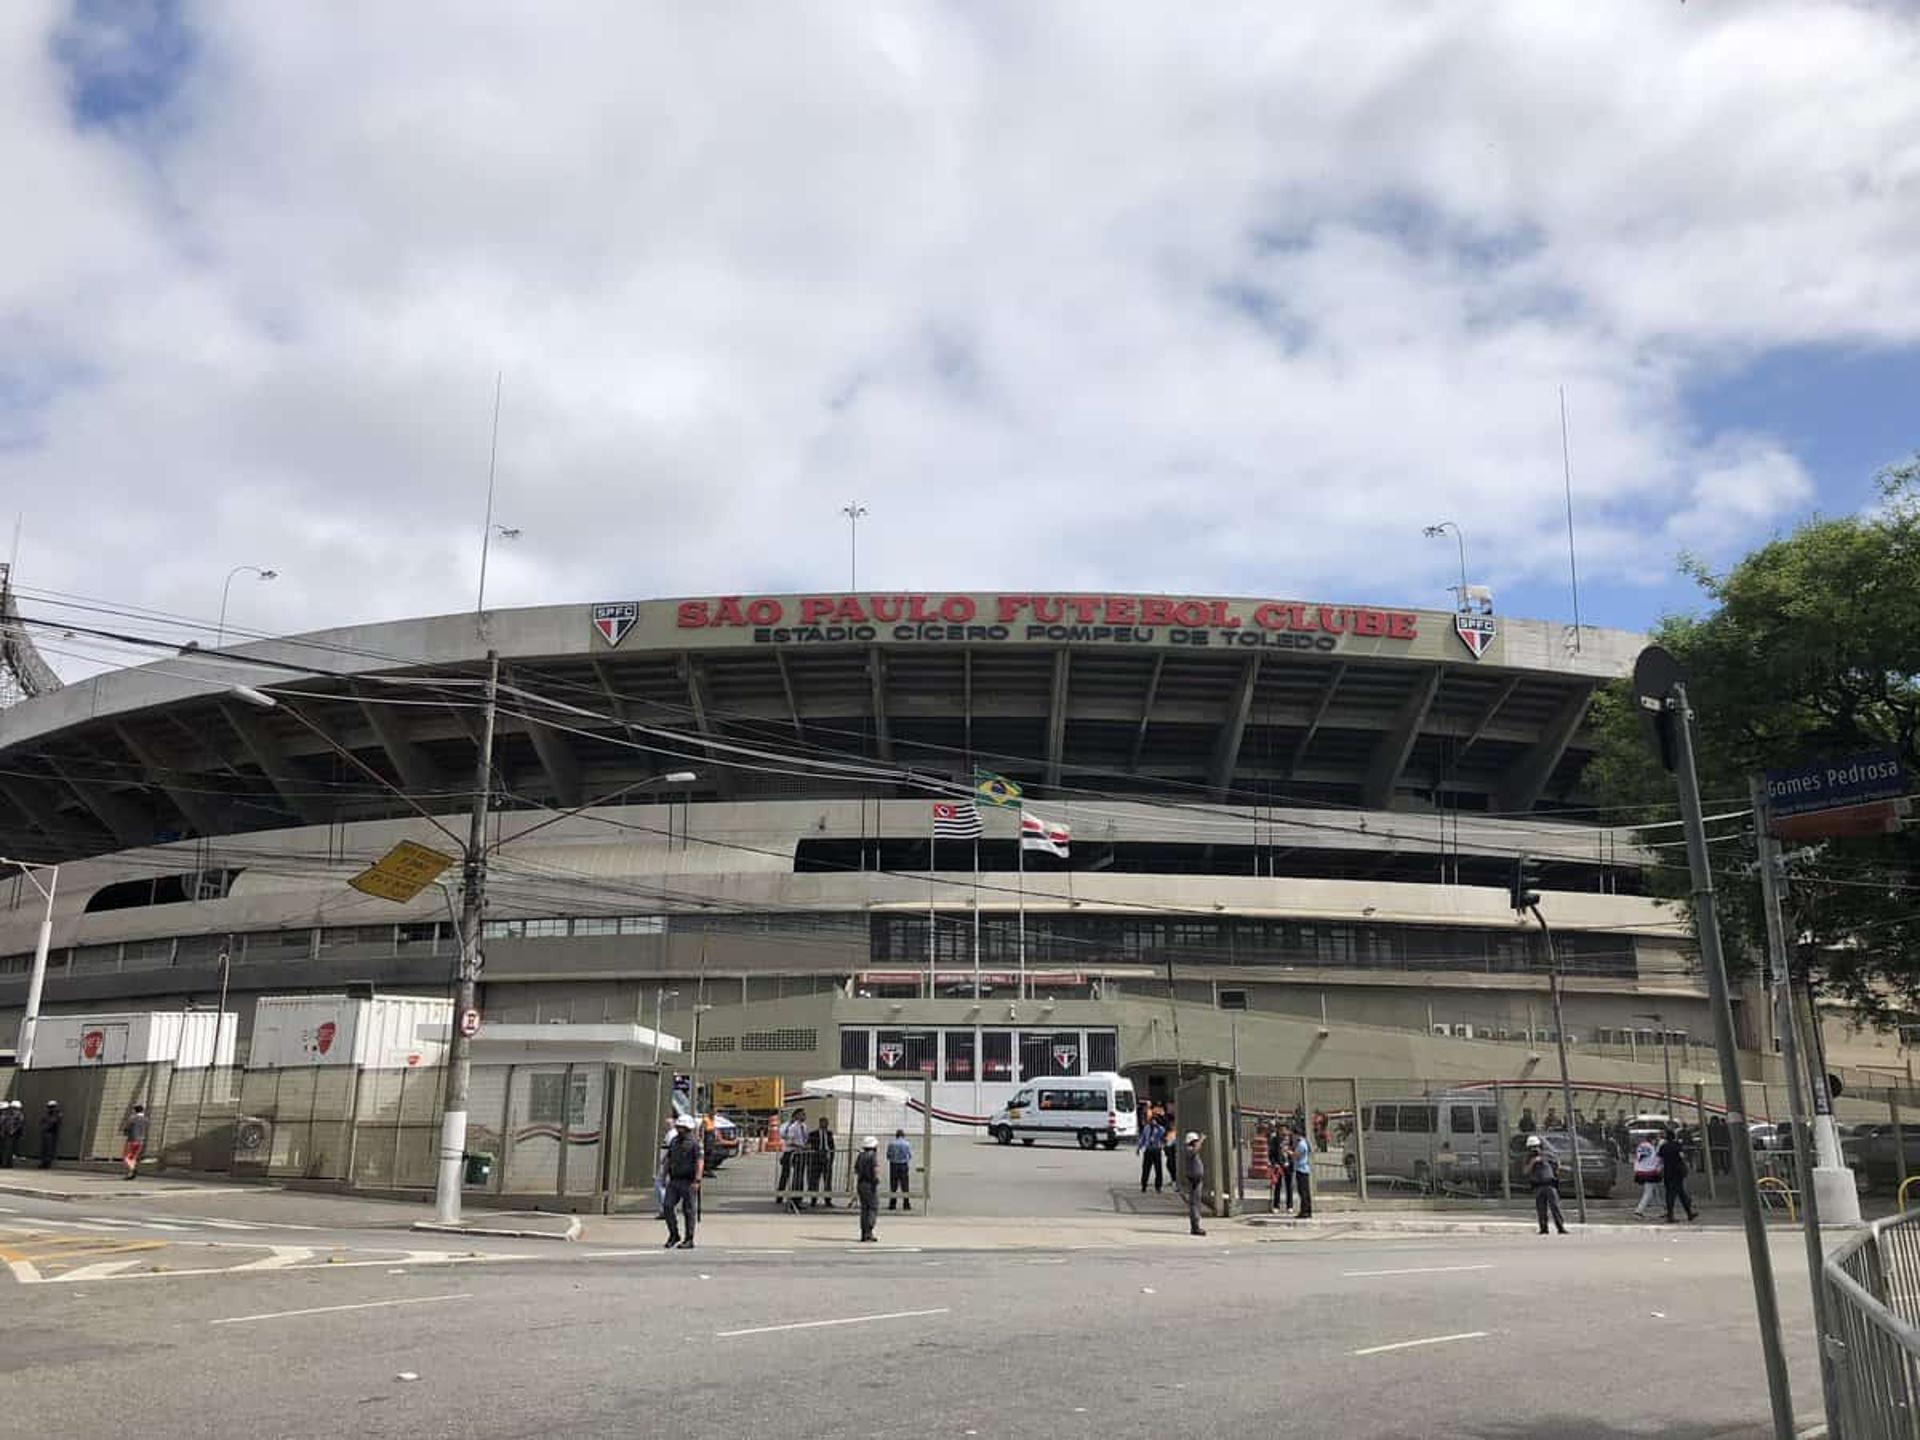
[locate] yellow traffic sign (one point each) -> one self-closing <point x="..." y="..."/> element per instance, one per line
<point x="402" y="873"/>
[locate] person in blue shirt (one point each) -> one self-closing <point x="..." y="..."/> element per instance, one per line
<point x="899" y="1170"/>
<point x="1152" y="1148"/>
<point x="1303" y="1177"/>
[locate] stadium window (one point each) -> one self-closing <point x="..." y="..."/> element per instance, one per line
<point x="643" y="924"/>
<point x="856" y="1049"/>
<point x="597" y="925"/>
<point x="996" y="1055"/>
<point x="419" y="934"/>
<point x="544" y="929"/>
<point x="496" y="930"/>
<point x="1233" y="1000"/>
<point x="1102" y="1050"/>
<point x="960" y="1046"/>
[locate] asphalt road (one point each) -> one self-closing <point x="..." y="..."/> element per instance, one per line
<point x="1606" y="1334"/>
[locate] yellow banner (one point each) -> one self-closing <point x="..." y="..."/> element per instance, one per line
<point x="402" y="873"/>
<point x="764" y="1093"/>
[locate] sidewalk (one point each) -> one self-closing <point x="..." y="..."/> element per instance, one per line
<point x="64" y="1182"/>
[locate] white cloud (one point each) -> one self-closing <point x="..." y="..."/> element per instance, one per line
<point x="1065" y="294"/>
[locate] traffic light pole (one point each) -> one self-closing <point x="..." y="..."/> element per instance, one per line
<point x="1560" y="1038"/>
<point x="1679" y="721"/>
<point x="453" y="1119"/>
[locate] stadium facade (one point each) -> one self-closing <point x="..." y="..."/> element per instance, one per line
<point x="1285" y="822"/>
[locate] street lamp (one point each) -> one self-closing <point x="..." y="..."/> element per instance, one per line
<point x="1666" y="1059"/>
<point x="23" y="1048"/>
<point x="220" y="634"/>
<point x="660" y="997"/>
<point x="1434" y="532"/>
<point x="854" y="512"/>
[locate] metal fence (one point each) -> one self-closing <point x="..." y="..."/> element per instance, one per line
<point x="1873" y="1304"/>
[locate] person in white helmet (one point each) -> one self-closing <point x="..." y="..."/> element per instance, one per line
<point x="866" y="1184"/>
<point x="686" y="1164"/>
<point x="1544" y="1176"/>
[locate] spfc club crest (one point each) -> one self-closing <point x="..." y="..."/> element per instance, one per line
<point x="1476" y="632"/>
<point x="611" y="622"/>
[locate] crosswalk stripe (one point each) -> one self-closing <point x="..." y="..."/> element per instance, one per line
<point x="282" y="1256"/>
<point x="100" y="1271"/>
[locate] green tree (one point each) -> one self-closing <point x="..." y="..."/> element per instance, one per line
<point x="1810" y="647"/>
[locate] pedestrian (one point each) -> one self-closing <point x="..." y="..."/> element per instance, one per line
<point x="13" y="1124"/>
<point x="1526" y="1119"/>
<point x="1303" y="1176"/>
<point x="793" y="1161"/>
<point x="1544" y="1176"/>
<point x="1646" y="1174"/>
<point x="1194" y="1172"/>
<point x="866" y="1185"/>
<point x="135" y="1134"/>
<point x="1170" y="1144"/>
<point x="686" y="1166"/>
<point x="820" y="1152"/>
<point x="1151" y="1145"/>
<point x="50" y="1120"/>
<point x="1720" y="1145"/>
<point x="1673" y="1175"/>
<point x="1280" y="1157"/>
<point x="899" y="1170"/>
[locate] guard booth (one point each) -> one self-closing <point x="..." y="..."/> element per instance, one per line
<point x="99" y="1066"/>
<point x="1204" y="1100"/>
<point x="567" y="1117"/>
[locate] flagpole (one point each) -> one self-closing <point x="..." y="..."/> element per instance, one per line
<point x="976" y="915"/>
<point x="931" y="946"/>
<point x="1020" y="848"/>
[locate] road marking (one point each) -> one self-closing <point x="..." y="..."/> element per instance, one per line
<point x="282" y="1256"/>
<point x="1416" y="1270"/>
<point x="620" y="1254"/>
<point x="822" y="1324"/>
<point x="104" y="1270"/>
<point x="1430" y="1340"/>
<point x="335" y="1309"/>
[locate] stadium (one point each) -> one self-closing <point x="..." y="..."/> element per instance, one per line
<point x="1269" y="834"/>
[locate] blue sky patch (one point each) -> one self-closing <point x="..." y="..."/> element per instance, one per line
<point x="124" y="59"/>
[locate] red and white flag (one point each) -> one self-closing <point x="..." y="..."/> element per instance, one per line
<point x="1044" y="835"/>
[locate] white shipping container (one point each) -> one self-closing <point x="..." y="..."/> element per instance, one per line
<point x="185" y="1039"/>
<point x="388" y="1032"/>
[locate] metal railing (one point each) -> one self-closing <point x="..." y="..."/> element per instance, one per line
<point x="1873" y="1303"/>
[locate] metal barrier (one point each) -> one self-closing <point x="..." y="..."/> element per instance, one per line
<point x="1873" y="1302"/>
<point x="1906" y="1185"/>
<point x="1772" y="1185"/>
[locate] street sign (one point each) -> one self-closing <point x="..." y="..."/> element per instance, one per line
<point x="469" y="1023"/>
<point x="1854" y="795"/>
<point x="760" y="1093"/>
<point x="1655" y="674"/>
<point x="402" y="873"/>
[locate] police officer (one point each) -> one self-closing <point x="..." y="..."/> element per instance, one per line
<point x="866" y="1185"/>
<point x="1193" y="1168"/>
<point x="13" y="1124"/>
<point x="1544" y="1176"/>
<point x="686" y="1165"/>
<point x="50" y="1134"/>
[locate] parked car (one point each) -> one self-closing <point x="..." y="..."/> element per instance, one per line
<point x="1876" y="1158"/>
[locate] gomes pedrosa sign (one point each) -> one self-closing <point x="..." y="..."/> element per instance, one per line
<point x="1111" y="619"/>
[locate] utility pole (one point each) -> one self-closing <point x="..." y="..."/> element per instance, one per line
<point x="1566" y="1083"/>
<point x="453" y="1121"/>
<point x="1781" y="985"/>
<point x="36" y="981"/>
<point x="1679" y="727"/>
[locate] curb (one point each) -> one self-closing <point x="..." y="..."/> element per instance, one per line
<point x="73" y="1197"/>
<point x="571" y="1232"/>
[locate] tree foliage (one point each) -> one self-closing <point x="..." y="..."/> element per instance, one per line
<point x="1810" y="648"/>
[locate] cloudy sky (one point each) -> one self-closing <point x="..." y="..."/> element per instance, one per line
<point x="1068" y="295"/>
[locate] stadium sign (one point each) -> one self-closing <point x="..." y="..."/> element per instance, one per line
<point x="1102" y="620"/>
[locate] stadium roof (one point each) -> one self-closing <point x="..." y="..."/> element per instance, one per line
<point x="1229" y="700"/>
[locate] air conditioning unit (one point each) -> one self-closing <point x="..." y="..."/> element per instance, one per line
<point x="1463" y="1032"/>
<point x="1440" y="1029"/>
<point x="252" y="1142"/>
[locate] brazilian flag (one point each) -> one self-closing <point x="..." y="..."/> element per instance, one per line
<point x="993" y="789"/>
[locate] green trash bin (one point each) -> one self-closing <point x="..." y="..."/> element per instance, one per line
<point x="479" y="1168"/>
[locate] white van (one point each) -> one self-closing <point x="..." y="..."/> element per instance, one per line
<point x="1095" y="1109"/>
